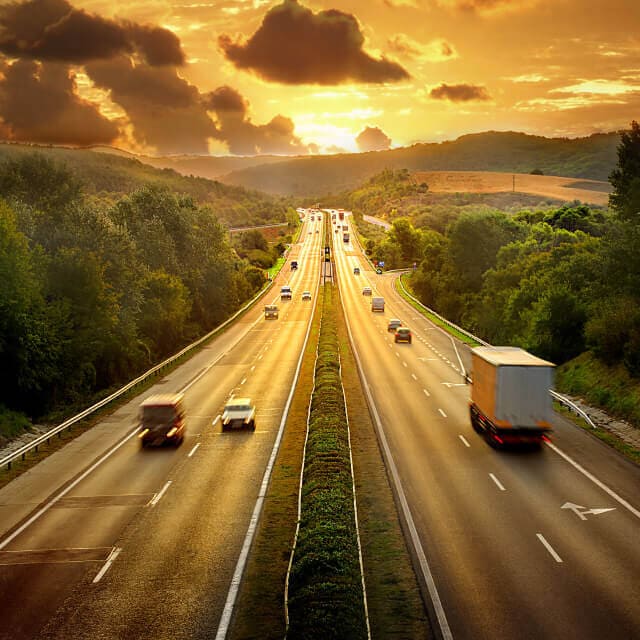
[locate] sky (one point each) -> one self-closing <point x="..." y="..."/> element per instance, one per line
<point x="247" y="77"/>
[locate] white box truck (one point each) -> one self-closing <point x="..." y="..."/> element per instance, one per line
<point x="510" y="400"/>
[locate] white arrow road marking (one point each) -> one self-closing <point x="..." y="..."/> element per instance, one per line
<point x="576" y="508"/>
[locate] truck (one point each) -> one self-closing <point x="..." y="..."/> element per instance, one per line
<point x="341" y="214"/>
<point x="345" y="236"/>
<point x="377" y="304"/>
<point x="510" y="401"/>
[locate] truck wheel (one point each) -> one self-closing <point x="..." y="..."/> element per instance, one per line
<point x="252" y="425"/>
<point x="474" y="421"/>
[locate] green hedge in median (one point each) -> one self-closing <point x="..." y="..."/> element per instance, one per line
<point x="325" y="589"/>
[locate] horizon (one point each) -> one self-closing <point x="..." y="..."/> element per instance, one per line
<point x="252" y="77"/>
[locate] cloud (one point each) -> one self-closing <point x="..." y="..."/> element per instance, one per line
<point x="599" y="86"/>
<point x="293" y="45"/>
<point x="52" y="30"/>
<point x="373" y="139"/>
<point x="460" y="92"/>
<point x="166" y="112"/>
<point x="488" y="6"/>
<point x="245" y="138"/>
<point x="38" y="103"/>
<point x="435" y="51"/>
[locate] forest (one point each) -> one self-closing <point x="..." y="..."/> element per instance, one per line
<point x="94" y="290"/>
<point x="560" y="281"/>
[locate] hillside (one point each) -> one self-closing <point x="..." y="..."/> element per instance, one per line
<point x="111" y="175"/>
<point x="590" y="158"/>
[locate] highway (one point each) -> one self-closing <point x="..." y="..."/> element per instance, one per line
<point x="104" y="539"/>
<point x="519" y="544"/>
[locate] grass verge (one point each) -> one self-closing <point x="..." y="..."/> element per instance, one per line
<point x="405" y="277"/>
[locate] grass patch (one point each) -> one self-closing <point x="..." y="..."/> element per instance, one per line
<point x="275" y="269"/>
<point x="406" y="277"/>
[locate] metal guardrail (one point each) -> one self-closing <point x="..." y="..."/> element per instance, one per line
<point x="573" y="407"/>
<point x="46" y="437"/>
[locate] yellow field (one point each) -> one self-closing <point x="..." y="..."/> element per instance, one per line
<point x="492" y="182"/>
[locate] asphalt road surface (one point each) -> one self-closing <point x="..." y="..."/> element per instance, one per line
<point x="528" y="545"/>
<point x="145" y="544"/>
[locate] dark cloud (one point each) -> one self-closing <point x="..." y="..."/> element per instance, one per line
<point x="166" y="112"/>
<point x="38" y="103"/>
<point x="245" y="138"/>
<point x="460" y="92"/>
<point x="373" y="139"/>
<point x="52" y="30"/>
<point x="296" y="46"/>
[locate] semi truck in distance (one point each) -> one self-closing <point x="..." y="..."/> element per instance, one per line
<point x="510" y="400"/>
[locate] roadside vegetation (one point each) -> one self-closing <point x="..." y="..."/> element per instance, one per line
<point x="559" y="281"/>
<point x="94" y="291"/>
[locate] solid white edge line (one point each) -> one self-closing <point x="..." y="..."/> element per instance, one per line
<point x="232" y="595"/>
<point x="154" y="501"/>
<point x="593" y="479"/>
<point x="498" y="483"/>
<point x="464" y="440"/>
<point x="445" y="630"/>
<point x="64" y="492"/>
<point x="213" y="424"/>
<point x="115" y="552"/>
<point x="193" y="450"/>
<point x="549" y="548"/>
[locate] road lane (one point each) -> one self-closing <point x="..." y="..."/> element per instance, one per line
<point x="495" y="577"/>
<point x="177" y="555"/>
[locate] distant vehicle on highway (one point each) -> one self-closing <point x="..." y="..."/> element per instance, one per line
<point x="378" y="270"/>
<point x="285" y="293"/>
<point x="294" y="265"/>
<point x="367" y="291"/>
<point x="345" y="237"/>
<point x="162" y="420"/>
<point x="306" y="295"/>
<point x="271" y="311"/>
<point x="239" y="413"/>
<point x="356" y="271"/>
<point x="394" y="323"/>
<point x="403" y="334"/>
<point x="377" y="304"/>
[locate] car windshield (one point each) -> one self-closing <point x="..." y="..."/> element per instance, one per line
<point x="403" y="330"/>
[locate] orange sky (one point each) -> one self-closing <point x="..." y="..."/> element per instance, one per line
<point x="251" y="76"/>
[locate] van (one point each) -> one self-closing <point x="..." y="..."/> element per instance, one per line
<point x="162" y="420"/>
<point x="377" y="304"/>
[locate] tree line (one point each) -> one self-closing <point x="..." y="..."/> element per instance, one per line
<point x="94" y="290"/>
<point x="555" y="280"/>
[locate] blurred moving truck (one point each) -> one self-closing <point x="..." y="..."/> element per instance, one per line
<point x="162" y="419"/>
<point x="510" y="400"/>
<point x="377" y="304"/>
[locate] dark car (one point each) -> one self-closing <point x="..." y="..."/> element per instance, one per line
<point x="162" y="420"/>
<point x="356" y="271"/>
<point x="394" y="323"/>
<point x="403" y="334"/>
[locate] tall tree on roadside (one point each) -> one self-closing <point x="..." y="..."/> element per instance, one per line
<point x="625" y="179"/>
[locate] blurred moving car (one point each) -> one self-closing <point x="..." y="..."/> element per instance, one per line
<point x="270" y="311"/>
<point x="239" y="413"/>
<point x="356" y="271"/>
<point x="394" y="323"/>
<point x="367" y="291"/>
<point x="403" y="334"/>
<point x="162" y="420"/>
<point x="306" y="295"/>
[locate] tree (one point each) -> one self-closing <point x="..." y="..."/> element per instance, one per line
<point x="625" y="179"/>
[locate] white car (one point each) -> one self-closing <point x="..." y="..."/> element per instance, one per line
<point x="306" y="295"/>
<point x="239" y="413"/>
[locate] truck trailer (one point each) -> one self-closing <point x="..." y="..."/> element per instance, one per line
<point x="510" y="400"/>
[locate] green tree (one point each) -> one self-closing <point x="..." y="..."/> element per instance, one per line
<point x="625" y="178"/>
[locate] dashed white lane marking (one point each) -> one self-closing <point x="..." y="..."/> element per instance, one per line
<point x="115" y="552"/>
<point x="464" y="441"/>
<point x="442" y="413"/>
<point x="243" y="381"/>
<point x="404" y="364"/>
<point x="426" y="393"/>
<point x="158" y="496"/>
<point x="260" y="357"/>
<point x="193" y="450"/>
<point x="549" y="548"/>
<point x="498" y="483"/>
<point x="252" y="368"/>
<point x="397" y="354"/>
<point x="390" y="346"/>
<point x="413" y="375"/>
